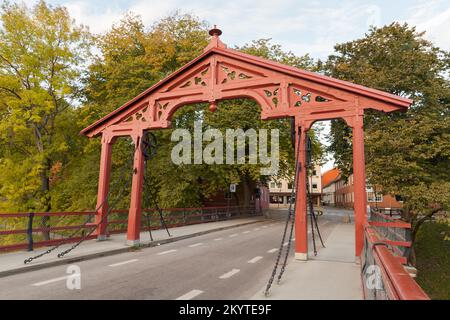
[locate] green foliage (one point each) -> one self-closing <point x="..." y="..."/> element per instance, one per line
<point x="340" y="146"/>
<point x="132" y="59"/>
<point x="407" y="154"/>
<point x="42" y="53"/>
<point x="433" y="260"/>
<point x="189" y="185"/>
<point x="411" y="157"/>
<point x="265" y="49"/>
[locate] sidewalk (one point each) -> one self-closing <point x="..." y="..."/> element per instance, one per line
<point x="331" y="275"/>
<point x="12" y="263"/>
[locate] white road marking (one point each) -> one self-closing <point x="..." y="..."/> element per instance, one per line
<point x="246" y="232"/>
<point x="165" y="252"/>
<point x="285" y="244"/>
<point x="218" y="239"/>
<point x="229" y="274"/>
<point x="272" y="250"/>
<point x="264" y="226"/>
<point x="122" y="263"/>
<point x="195" y="245"/>
<point x="255" y="259"/>
<point x="256" y="229"/>
<point x="233" y="235"/>
<point x="49" y="281"/>
<point x="191" y="294"/>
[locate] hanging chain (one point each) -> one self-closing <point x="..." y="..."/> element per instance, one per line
<point x="313" y="221"/>
<point x="310" y="203"/>
<point x="110" y="207"/>
<point x="288" y="249"/>
<point x="114" y="187"/>
<point x="148" y="145"/>
<point x="288" y="219"/>
<point x="149" y="148"/>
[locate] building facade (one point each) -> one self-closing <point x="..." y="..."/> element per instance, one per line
<point x="340" y="193"/>
<point x="280" y="189"/>
<point x="329" y="187"/>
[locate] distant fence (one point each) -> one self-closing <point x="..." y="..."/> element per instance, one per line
<point x="386" y="243"/>
<point x="24" y="230"/>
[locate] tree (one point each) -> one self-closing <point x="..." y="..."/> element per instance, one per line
<point x="42" y="53"/>
<point x="145" y="57"/>
<point x="407" y="154"/>
<point x="131" y="59"/>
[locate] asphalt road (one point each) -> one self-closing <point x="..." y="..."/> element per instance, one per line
<point x="229" y="264"/>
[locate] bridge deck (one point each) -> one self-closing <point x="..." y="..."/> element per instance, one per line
<point x="332" y="274"/>
<point x="236" y="267"/>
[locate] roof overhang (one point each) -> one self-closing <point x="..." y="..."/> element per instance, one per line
<point x="217" y="51"/>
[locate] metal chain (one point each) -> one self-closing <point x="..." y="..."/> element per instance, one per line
<point x="313" y="220"/>
<point x="110" y="208"/>
<point x="80" y="228"/>
<point x="293" y="193"/>
<point x="288" y="248"/>
<point x="114" y="187"/>
<point x="310" y="204"/>
<point x="311" y="214"/>
<point x="149" y="149"/>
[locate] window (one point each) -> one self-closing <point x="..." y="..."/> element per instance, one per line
<point x="374" y="197"/>
<point x="314" y="173"/>
<point x="289" y="199"/>
<point x="290" y="185"/>
<point x="314" y="185"/>
<point x="276" y="199"/>
<point x="272" y="185"/>
<point x="279" y="185"/>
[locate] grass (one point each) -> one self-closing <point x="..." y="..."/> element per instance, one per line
<point x="433" y="259"/>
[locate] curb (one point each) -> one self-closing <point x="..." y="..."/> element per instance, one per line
<point x="111" y="252"/>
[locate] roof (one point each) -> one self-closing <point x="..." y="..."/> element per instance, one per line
<point x="330" y="176"/>
<point x="216" y="47"/>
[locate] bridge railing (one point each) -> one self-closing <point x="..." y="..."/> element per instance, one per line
<point x="395" y="232"/>
<point x="24" y="230"/>
<point x="383" y="275"/>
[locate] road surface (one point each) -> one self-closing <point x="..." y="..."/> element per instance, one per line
<point x="229" y="264"/>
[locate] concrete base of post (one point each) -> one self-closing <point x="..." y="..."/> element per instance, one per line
<point x="133" y="243"/>
<point x="301" y="256"/>
<point x="101" y="237"/>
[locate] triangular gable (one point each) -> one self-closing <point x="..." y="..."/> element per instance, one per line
<point x="221" y="73"/>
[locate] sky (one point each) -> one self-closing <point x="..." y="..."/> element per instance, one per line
<point x="312" y="26"/>
<point x="300" y="26"/>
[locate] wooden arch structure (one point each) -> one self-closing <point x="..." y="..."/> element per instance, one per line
<point x="282" y="91"/>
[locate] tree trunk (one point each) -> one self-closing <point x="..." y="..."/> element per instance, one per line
<point x="247" y="191"/>
<point x="45" y="197"/>
<point x="412" y="253"/>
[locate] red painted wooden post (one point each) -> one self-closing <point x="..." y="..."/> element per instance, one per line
<point x="301" y="224"/>
<point x="103" y="187"/>
<point x="135" y="212"/>
<point x="359" y="177"/>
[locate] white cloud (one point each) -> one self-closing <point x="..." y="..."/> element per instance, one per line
<point x="433" y="17"/>
<point x="301" y="26"/>
<point x="97" y="22"/>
